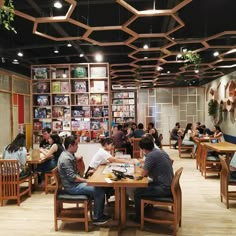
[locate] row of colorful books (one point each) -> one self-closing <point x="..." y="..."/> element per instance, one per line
<point x="123" y="108"/>
<point x="80" y="99"/>
<point x="124" y="95"/>
<point x="123" y="114"/>
<point x="123" y="101"/>
<point x="63" y="73"/>
<point x="74" y="125"/>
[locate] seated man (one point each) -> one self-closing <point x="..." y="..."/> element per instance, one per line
<point x="73" y="183"/>
<point x="158" y="167"/>
<point x="174" y="134"/>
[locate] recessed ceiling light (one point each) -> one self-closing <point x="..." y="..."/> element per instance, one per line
<point x="57" y="4"/>
<point x="145" y="46"/>
<point x="145" y="58"/>
<point x="179" y="55"/>
<point x="98" y="57"/>
<point x="69" y="45"/>
<point x="159" y="68"/>
<point x="15" y="61"/>
<point x="196" y="71"/>
<point x="20" y="54"/>
<point x="56" y="50"/>
<point x="168" y="72"/>
<point x="81" y="55"/>
<point x="215" y="54"/>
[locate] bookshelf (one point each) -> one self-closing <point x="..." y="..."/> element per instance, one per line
<point x="124" y="106"/>
<point x="71" y="97"/>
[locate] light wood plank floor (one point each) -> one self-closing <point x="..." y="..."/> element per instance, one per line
<point x="203" y="213"/>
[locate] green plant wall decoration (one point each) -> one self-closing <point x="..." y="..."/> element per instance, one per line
<point x="7" y="14"/>
<point x="212" y="107"/>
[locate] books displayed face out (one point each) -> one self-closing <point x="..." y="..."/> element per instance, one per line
<point x="98" y="72"/>
<point x="40" y="73"/>
<point x="60" y="73"/>
<point x="97" y="86"/>
<point x="80" y="111"/>
<point x="57" y="125"/>
<point x="80" y="87"/>
<point x="42" y="112"/>
<point x="95" y="99"/>
<point x="99" y="111"/>
<point x="61" y="100"/>
<point x="60" y="87"/>
<point x="80" y="124"/>
<point x="43" y="87"/>
<point x="42" y="100"/>
<point x="60" y="112"/>
<point x="82" y="99"/>
<point x="79" y="72"/>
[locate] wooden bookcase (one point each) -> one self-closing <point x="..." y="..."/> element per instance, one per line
<point x="71" y="98"/>
<point x="124" y="106"/>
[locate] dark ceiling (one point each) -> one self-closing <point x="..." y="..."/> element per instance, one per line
<point x="119" y="29"/>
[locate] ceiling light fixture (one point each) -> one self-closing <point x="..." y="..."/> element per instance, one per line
<point x="145" y="58"/>
<point x="196" y="71"/>
<point x="215" y="54"/>
<point x="81" y="55"/>
<point x="20" y="54"/>
<point x="145" y="46"/>
<point x="57" y="4"/>
<point x="159" y="68"/>
<point x="56" y="50"/>
<point x="15" y="61"/>
<point x="98" y="57"/>
<point x="69" y="45"/>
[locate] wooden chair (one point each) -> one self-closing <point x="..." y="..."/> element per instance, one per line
<point x="184" y="150"/>
<point x="225" y="182"/>
<point x="11" y="184"/>
<point x="137" y="152"/>
<point x="171" y="145"/>
<point x="77" y="213"/>
<point x="174" y="202"/>
<point x="198" y="156"/>
<point x="115" y="149"/>
<point x="49" y="182"/>
<point x="209" y="163"/>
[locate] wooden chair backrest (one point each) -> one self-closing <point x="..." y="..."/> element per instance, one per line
<point x="80" y="167"/>
<point x="9" y="178"/>
<point x="225" y="172"/>
<point x="136" y="148"/>
<point x="177" y="192"/>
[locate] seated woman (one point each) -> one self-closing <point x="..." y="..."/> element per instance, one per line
<point x="188" y="135"/>
<point x="17" y="151"/>
<point x="218" y="133"/>
<point x="54" y="152"/>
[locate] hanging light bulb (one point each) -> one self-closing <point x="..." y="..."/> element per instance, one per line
<point x="57" y="4"/>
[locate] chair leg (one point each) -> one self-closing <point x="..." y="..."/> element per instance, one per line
<point x="86" y="215"/>
<point x="142" y="215"/>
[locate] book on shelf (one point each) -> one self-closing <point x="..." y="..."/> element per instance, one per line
<point x="56" y="125"/>
<point x="95" y="124"/>
<point x="66" y="125"/>
<point x="56" y="87"/>
<point x="42" y="87"/>
<point x="98" y="86"/>
<point x="131" y="101"/>
<point x="40" y="73"/>
<point x="46" y="124"/>
<point x="61" y="73"/>
<point x="79" y="72"/>
<point x="80" y="86"/>
<point x="80" y="124"/>
<point x="131" y="94"/>
<point x="95" y="99"/>
<point x="82" y="99"/>
<point x="98" y="72"/>
<point x="40" y="112"/>
<point x="105" y="111"/>
<point x="104" y="125"/>
<point x="75" y="125"/>
<point x="37" y="125"/>
<point x="67" y="112"/>
<point x="65" y="87"/>
<point x="105" y="99"/>
<point x="80" y="111"/>
<point x="61" y="100"/>
<point x="97" y="111"/>
<point x="57" y="112"/>
<point x="42" y="100"/>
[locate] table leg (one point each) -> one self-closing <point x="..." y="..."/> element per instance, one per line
<point x="117" y="203"/>
<point x="123" y="206"/>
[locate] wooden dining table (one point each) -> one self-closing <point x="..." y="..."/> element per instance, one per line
<point x="100" y="179"/>
<point x="221" y="147"/>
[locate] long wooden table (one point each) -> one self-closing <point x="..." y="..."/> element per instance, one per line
<point x="221" y="147"/>
<point x="99" y="179"/>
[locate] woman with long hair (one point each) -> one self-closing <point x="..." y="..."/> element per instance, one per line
<point x="188" y="135"/>
<point x="218" y="133"/>
<point x="17" y="151"/>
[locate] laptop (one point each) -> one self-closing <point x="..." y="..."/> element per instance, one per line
<point x="214" y="140"/>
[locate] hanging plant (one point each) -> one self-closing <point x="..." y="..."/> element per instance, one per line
<point x="212" y="107"/>
<point x="7" y="14"/>
<point x="192" y="58"/>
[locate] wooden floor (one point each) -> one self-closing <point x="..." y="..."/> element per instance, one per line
<point x="203" y="213"/>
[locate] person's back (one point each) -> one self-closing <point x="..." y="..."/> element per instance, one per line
<point x="119" y="137"/>
<point x="160" y="168"/>
<point x="138" y="133"/>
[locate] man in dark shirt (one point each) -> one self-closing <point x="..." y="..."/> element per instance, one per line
<point x="46" y="135"/>
<point x="158" y="167"/>
<point x="174" y="133"/>
<point x="73" y="183"/>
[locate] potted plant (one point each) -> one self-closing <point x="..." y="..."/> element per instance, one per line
<point x="212" y="108"/>
<point x="7" y="14"/>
